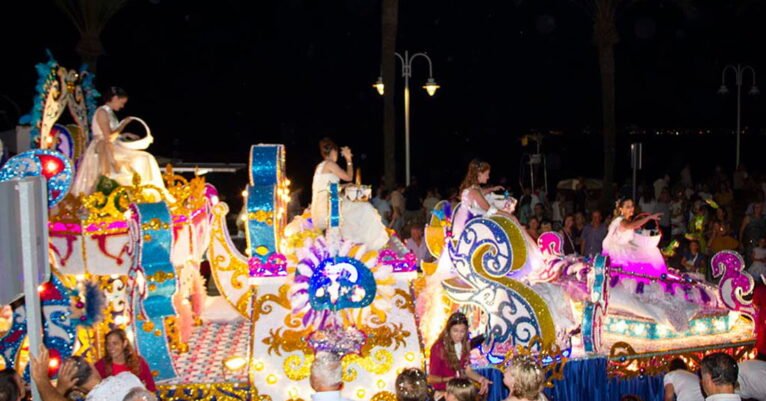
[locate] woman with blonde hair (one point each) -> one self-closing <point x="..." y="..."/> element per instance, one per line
<point x="461" y="389"/>
<point x="525" y="379"/>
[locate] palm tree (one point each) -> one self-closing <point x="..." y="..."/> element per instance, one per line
<point x="604" y="15"/>
<point x="90" y="18"/>
<point x="389" y="22"/>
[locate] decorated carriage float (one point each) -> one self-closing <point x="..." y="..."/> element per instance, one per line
<point x="618" y="323"/>
<point x="123" y="255"/>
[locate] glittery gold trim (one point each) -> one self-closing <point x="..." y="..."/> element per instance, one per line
<point x="287" y="341"/>
<point x="262" y="216"/>
<point x="281" y="299"/>
<point x="210" y="392"/>
<point x="227" y="263"/>
<point x="384" y="396"/>
<point x="625" y="362"/>
<point x="405" y="300"/>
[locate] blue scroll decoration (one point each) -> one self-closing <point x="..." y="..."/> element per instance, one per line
<point x="334" y="205"/>
<point x="51" y="165"/>
<point x="153" y="281"/>
<point x="263" y="199"/>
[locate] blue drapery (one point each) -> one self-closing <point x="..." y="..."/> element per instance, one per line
<point x="585" y="379"/>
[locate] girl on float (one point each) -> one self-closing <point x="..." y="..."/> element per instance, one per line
<point x="360" y="222"/>
<point x="621" y="246"/>
<point x="473" y="198"/>
<point x="108" y="156"/>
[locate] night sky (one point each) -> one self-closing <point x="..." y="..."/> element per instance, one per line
<point x="294" y="71"/>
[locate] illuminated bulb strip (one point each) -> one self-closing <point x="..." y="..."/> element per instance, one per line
<point x="655" y="331"/>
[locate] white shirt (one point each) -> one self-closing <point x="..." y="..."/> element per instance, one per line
<point x="686" y="385"/>
<point x="724" y="397"/>
<point x="752" y="379"/>
<point x="114" y="387"/>
<point x="327" y="396"/>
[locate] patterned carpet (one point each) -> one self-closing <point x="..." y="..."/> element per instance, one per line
<point x="209" y="345"/>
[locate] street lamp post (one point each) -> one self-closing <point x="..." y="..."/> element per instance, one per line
<point x="739" y="72"/>
<point x="431" y="86"/>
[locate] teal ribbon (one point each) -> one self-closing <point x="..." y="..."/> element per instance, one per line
<point x="334" y="205"/>
<point x="267" y="168"/>
<point x="152" y="228"/>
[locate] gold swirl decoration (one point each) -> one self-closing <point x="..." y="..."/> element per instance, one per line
<point x="210" y="392"/>
<point x="189" y="195"/>
<point x="282" y="299"/>
<point x="280" y="340"/>
<point x="229" y="267"/>
<point x="625" y="362"/>
<point x="287" y="341"/>
<point x="405" y="300"/>
<point x="298" y="367"/>
<point x="378" y="363"/>
<point x="103" y="210"/>
<point x="384" y="396"/>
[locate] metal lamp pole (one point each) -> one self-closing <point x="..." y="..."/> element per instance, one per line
<point x="739" y="71"/>
<point x="431" y="86"/>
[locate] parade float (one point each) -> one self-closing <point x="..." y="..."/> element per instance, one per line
<point x="122" y="256"/>
<point x="128" y="256"/>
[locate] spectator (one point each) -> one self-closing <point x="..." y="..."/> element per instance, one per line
<point x="533" y="228"/>
<point x="724" y="197"/>
<point x="740" y="176"/>
<point x="722" y="239"/>
<point x="412" y="385"/>
<point x="681" y="384"/>
<point x="568" y="235"/>
<point x="539" y="212"/>
<point x="752" y="378"/>
<point x="677" y="217"/>
<point x="593" y="235"/>
<point x="413" y="204"/>
<point x="579" y="218"/>
<point x="429" y="203"/>
<point x="325" y="377"/>
<point x="647" y="202"/>
<point x="546" y="226"/>
<point x="663" y="206"/>
<point x="11" y="386"/>
<point x="753" y="229"/>
<point x="758" y="267"/>
<point x="718" y="372"/>
<point x="383" y="206"/>
<point x="660" y="184"/>
<point x="693" y="261"/>
<point x="558" y="210"/>
<point x="397" y="206"/>
<point x="417" y="244"/>
<point x="461" y="389"/>
<point x="78" y="374"/>
<point x="121" y="357"/>
<point x="140" y="394"/>
<point x="525" y="380"/>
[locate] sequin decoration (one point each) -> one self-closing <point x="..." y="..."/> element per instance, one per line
<point x="49" y="164"/>
<point x="210" y="392"/>
<point x="486" y="264"/>
<point x="153" y="284"/>
<point x="734" y="285"/>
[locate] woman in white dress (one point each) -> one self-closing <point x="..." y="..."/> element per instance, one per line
<point x="360" y="222"/>
<point x="627" y="251"/>
<point x="473" y="198"/>
<point x="107" y="156"/>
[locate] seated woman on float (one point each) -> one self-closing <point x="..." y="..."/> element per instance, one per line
<point x="109" y="156"/>
<point x="477" y="201"/>
<point x="359" y="222"/>
<point x="633" y="252"/>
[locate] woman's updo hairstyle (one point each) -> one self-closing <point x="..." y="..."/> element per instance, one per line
<point x="115" y="91"/>
<point x="326" y="146"/>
